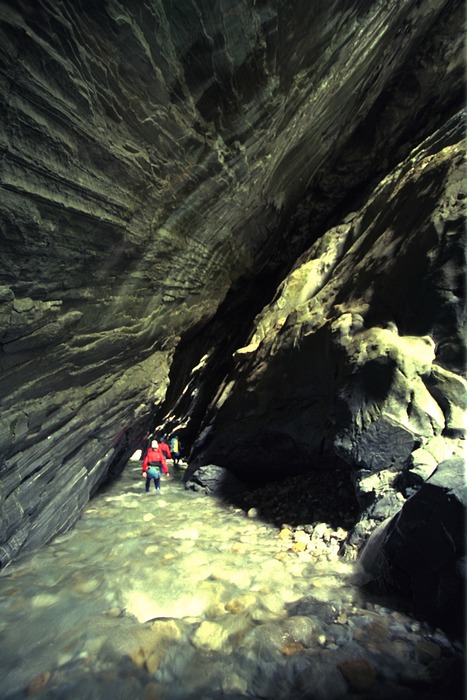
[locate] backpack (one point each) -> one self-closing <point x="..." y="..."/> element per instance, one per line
<point x="154" y="471"/>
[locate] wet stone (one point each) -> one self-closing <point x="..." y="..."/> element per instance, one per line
<point x="359" y="673"/>
<point x="427" y="651"/>
<point x="152" y="691"/>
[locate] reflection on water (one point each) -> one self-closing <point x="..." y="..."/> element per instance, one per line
<point x="178" y="596"/>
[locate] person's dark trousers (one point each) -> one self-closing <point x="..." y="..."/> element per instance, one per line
<point x="148" y="483"/>
<point x="157" y="483"/>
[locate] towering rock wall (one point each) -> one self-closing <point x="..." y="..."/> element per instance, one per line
<point x="163" y="165"/>
<point x="360" y="354"/>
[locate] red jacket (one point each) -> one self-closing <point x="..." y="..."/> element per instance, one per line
<point x="155" y="455"/>
<point x="165" y="449"/>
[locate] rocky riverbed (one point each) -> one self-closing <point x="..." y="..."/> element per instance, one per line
<point x="183" y="596"/>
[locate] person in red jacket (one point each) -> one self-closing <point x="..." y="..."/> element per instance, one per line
<point x="165" y="448"/>
<point x="153" y="464"/>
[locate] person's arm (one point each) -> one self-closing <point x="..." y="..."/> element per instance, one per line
<point x="144" y="466"/>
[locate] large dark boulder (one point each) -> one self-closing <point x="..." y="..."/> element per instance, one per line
<point x="214" y="481"/>
<point x="420" y="552"/>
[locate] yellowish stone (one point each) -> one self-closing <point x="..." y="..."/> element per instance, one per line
<point x="298" y="547"/>
<point x="285" y="534"/>
<point x="292" y="648"/>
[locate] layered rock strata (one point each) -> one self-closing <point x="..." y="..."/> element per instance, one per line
<point x="162" y="162"/>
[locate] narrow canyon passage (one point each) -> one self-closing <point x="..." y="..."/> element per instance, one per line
<point x="244" y="223"/>
<point x="182" y="596"/>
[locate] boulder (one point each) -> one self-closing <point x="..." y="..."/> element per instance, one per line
<point x="213" y="481"/>
<point x="420" y="551"/>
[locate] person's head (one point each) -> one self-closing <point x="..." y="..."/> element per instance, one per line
<point x="154" y="443"/>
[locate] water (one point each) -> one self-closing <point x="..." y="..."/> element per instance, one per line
<point x="180" y="596"/>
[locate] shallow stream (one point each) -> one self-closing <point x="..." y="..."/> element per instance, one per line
<point x="179" y="596"/>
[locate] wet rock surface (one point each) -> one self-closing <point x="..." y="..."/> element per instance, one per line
<point x="366" y="375"/>
<point x="420" y="551"/>
<point x="410" y="544"/>
<point x="181" y="596"/>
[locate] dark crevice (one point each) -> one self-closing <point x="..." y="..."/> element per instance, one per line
<point x="226" y="332"/>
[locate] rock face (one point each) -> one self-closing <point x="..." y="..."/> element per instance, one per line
<point x="340" y="343"/>
<point x="165" y="167"/>
<point x="420" y="550"/>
